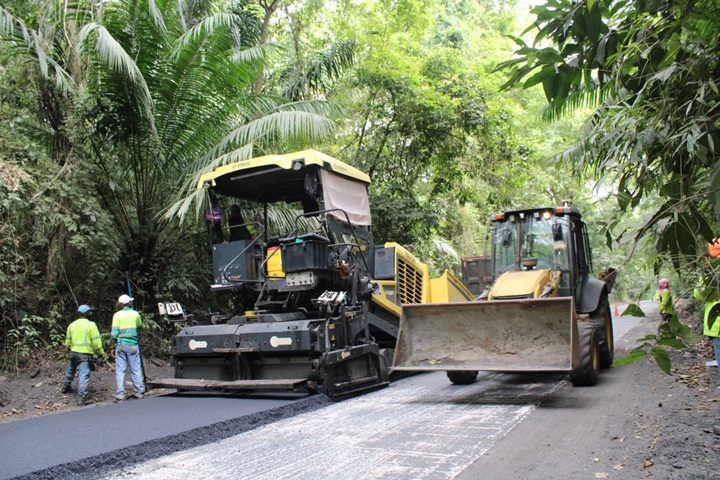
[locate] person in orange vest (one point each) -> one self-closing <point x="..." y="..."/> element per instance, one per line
<point x="124" y="332"/>
<point x="83" y="340"/>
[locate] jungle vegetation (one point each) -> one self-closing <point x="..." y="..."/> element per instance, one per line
<point x="110" y="111"/>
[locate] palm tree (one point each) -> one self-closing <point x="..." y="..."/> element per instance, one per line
<point x="152" y="99"/>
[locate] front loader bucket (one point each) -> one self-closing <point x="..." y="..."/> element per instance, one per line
<point x="499" y="335"/>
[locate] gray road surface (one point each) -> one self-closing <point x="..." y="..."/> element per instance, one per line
<point x="419" y="427"/>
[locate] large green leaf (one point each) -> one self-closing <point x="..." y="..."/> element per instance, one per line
<point x="634" y="310"/>
<point x="662" y="359"/>
<point x="632" y="357"/>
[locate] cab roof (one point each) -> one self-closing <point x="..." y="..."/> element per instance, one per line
<point x="275" y="178"/>
<point x="556" y="211"/>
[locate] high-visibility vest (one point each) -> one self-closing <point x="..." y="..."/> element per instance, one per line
<point x="124" y="326"/>
<point x="665" y="303"/>
<point x="83" y="337"/>
<point x="711" y="320"/>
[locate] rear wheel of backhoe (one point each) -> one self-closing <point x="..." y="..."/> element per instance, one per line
<point x="604" y="332"/>
<point x="462" y="377"/>
<point x="586" y="374"/>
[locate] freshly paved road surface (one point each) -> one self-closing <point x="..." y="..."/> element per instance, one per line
<point x="419" y="428"/>
<point x="44" y="442"/>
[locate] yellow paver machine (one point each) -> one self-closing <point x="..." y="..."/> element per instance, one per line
<point x="315" y="307"/>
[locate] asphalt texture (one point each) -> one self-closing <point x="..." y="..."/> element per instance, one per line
<point x="83" y="444"/>
<point x="421" y="427"/>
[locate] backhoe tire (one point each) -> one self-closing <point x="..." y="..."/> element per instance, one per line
<point x="462" y="377"/>
<point x="602" y="321"/>
<point x="586" y="375"/>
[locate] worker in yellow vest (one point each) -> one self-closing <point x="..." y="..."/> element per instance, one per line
<point x="709" y="293"/>
<point x="124" y="332"/>
<point x="665" y="301"/>
<point x="83" y="340"/>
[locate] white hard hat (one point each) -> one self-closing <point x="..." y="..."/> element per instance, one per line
<point x="125" y="299"/>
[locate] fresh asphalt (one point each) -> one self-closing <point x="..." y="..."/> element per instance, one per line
<point x="109" y="433"/>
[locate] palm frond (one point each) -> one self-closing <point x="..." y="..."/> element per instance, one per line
<point x="252" y="54"/>
<point x="279" y="124"/>
<point x="576" y="100"/>
<point x="157" y="17"/>
<point x="202" y="30"/>
<point x="114" y="56"/>
<point x="326" y="67"/>
<point x="14" y="29"/>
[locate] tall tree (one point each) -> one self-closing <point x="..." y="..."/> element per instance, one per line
<point x="149" y="96"/>
<point x="651" y="68"/>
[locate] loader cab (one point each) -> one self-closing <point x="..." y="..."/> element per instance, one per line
<point x="540" y="244"/>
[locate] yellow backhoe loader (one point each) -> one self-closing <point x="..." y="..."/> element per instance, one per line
<point x="543" y="313"/>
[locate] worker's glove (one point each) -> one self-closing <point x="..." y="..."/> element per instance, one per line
<point x="99" y="361"/>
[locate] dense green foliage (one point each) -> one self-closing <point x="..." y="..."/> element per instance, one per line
<point x="123" y="105"/>
<point x="651" y="70"/>
<point x="110" y="111"/>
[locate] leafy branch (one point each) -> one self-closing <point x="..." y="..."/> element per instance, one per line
<point x="672" y="334"/>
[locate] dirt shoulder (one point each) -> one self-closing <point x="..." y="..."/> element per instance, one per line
<point x="636" y="423"/>
<point x="681" y="427"/>
<point x="36" y="391"/>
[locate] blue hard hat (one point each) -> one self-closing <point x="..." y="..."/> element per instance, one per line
<point x="84" y="308"/>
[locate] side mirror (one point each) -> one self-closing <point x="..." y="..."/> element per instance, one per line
<point x="557" y="232"/>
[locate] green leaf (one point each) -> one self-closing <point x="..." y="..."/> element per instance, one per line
<point x="661" y="358"/>
<point x="633" y="310"/>
<point x="671" y="342"/>
<point x="540" y="76"/>
<point x="665" y="74"/>
<point x="647" y="338"/>
<point x="593" y="22"/>
<point x="632" y="357"/>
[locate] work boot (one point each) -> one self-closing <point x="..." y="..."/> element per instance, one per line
<point x="84" y="401"/>
<point x="65" y="389"/>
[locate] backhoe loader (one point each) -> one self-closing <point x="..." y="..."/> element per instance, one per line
<point x="543" y="313"/>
